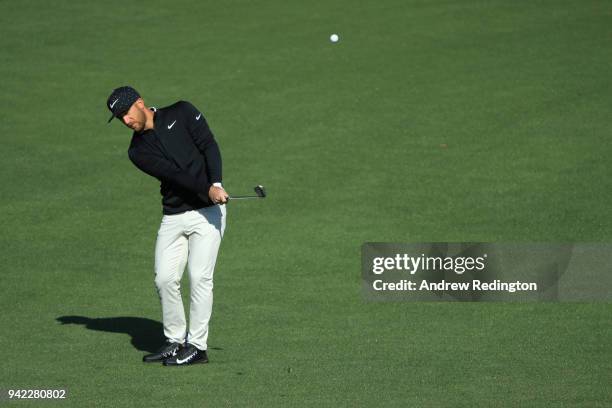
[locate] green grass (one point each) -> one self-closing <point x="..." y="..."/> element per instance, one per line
<point x="347" y="138"/>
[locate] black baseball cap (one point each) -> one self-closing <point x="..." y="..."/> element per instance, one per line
<point x="120" y="100"/>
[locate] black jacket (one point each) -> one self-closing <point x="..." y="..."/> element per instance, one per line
<point x="182" y="153"/>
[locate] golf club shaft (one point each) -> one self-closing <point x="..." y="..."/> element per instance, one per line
<point x="243" y="197"/>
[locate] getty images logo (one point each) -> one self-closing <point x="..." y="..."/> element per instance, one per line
<point x="422" y="262"/>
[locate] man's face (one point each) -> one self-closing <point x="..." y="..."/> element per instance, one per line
<point x="135" y="118"/>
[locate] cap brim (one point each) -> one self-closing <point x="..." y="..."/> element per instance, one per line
<point x="111" y="118"/>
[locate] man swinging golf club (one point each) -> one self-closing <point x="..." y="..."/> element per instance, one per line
<point x="175" y="145"/>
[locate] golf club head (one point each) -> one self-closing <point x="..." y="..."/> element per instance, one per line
<point x="260" y="191"/>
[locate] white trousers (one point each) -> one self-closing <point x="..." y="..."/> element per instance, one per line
<point x="191" y="238"/>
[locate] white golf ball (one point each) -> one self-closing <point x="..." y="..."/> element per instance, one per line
<point x="334" y="38"/>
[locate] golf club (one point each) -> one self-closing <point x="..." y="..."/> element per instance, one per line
<point x="259" y="190"/>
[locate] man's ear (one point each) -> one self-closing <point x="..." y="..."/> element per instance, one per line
<point x="140" y="103"/>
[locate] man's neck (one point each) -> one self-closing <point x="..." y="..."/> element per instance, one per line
<point x="150" y="115"/>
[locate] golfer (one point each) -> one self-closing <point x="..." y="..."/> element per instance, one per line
<point x="175" y="145"/>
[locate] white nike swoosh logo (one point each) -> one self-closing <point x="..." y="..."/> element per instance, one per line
<point x="172" y="124"/>
<point x="113" y="104"/>
<point x="182" y="361"/>
<point x="198" y="117"/>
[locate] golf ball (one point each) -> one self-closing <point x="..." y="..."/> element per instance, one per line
<point x="334" y="38"/>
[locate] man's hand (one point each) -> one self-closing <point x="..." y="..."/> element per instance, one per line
<point x="217" y="195"/>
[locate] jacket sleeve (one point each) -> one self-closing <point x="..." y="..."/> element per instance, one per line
<point x="204" y="140"/>
<point x="165" y="170"/>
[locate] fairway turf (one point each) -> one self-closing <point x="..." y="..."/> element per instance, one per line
<point x="427" y="121"/>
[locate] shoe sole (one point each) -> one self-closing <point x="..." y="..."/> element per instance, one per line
<point x="161" y="360"/>
<point x="182" y="365"/>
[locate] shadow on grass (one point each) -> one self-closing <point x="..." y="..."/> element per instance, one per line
<point x="147" y="335"/>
